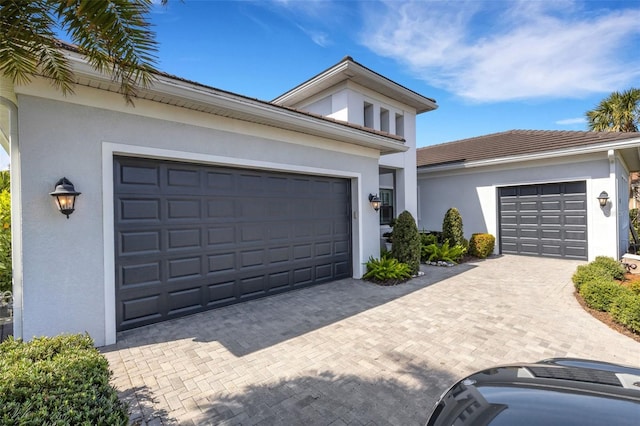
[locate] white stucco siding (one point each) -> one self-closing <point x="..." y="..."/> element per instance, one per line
<point x="474" y="193"/>
<point x="64" y="260"/>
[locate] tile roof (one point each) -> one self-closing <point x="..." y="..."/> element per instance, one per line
<point x="513" y="143"/>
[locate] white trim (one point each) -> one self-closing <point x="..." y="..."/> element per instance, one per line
<point x="629" y="143"/>
<point x="109" y="149"/>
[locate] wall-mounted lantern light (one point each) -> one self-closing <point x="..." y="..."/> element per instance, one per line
<point x="603" y="198"/>
<point x="375" y="201"/>
<point x="65" y="195"/>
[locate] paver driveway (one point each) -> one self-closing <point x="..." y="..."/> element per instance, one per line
<point x="350" y="352"/>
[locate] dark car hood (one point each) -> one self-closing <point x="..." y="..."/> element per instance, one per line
<point x="558" y="391"/>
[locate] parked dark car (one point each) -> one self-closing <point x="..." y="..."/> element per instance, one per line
<point x="558" y="391"/>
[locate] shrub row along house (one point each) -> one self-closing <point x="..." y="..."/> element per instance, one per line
<point x="196" y="198"/>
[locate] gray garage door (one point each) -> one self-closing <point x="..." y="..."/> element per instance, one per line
<point x="193" y="237"/>
<point x="544" y="220"/>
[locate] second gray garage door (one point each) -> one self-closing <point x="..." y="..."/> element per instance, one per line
<point x="544" y="220"/>
<point x="195" y="237"/>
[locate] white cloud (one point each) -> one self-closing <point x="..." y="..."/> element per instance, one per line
<point x="499" y="51"/>
<point x="570" y="121"/>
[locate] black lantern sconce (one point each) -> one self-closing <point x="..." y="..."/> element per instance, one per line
<point x="603" y="198"/>
<point x="65" y="195"/>
<point x="375" y="201"/>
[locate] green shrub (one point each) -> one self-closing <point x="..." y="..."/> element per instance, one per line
<point x="590" y="272"/>
<point x="387" y="271"/>
<point x="599" y="294"/>
<point x="6" y="271"/>
<point x="609" y="264"/>
<point x="406" y="242"/>
<point x="62" y="380"/>
<point x="481" y="245"/>
<point x="452" y="228"/>
<point x="428" y="239"/>
<point x="625" y="309"/>
<point x="436" y="252"/>
<point x="634" y="286"/>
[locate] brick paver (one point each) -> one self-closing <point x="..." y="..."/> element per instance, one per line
<point x="353" y="353"/>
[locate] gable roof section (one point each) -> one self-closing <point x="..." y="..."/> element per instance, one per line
<point x="348" y="69"/>
<point x="516" y="143"/>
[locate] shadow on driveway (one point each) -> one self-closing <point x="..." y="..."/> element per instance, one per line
<point x="254" y="325"/>
<point x="404" y="396"/>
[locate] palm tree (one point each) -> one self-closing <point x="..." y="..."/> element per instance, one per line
<point x="620" y="112"/>
<point x="113" y="35"/>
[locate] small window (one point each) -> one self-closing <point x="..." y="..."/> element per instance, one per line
<point x="386" y="207"/>
<point x="368" y="115"/>
<point x="399" y="124"/>
<point x="384" y="120"/>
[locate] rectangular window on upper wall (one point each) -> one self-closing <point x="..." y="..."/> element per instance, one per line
<point x="400" y="125"/>
<point x="386" y="206"/>
<point x="384" y="120"/>
<point x="368" y="115"/>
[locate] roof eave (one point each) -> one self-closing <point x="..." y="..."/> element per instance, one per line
<point x="617" y="145"/>
<point x="248" y="109"/>
<point x="348" y="69"/>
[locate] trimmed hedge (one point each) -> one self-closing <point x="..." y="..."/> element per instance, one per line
<point x="603" y="268"/>
<point x="609" y="264"/>
<point x="597" y="283"/>
<point x="599" y="294"/>
<point x="481" y="245"/>
<point x="60" y="380"/>
<point x="625" y="309"/>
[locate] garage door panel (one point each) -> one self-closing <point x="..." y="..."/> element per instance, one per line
<point x="323" y="249"/>
<point x="221" y="292"/>
<point x="528" y="206"/>
<point x="140" y="178"/>
<point x="212" y="236"/>
<point x="183" y="178"/>
<point x="221" y="235"/>
<point x="221" y="262"/>
<point x="184" y="300"/>
<point x="184" y="239"/>
<point x="218" y="208"/>
<point x="555" y="205"/>
<point x="576" y="235"/>
<point x="141" y="309"/>
<point x="527" y="219"/>
<point x="144" y="273"/>
<point x="143" y="242"/>
<point x="139" y="210"/>
<point x="253" y="286"/>
<point x="544" y="220"/>
<point x="185" y="267"/>
<point x="575" y="220"/>
<point x="251" y="258"/>
<point x="552" y="234"/>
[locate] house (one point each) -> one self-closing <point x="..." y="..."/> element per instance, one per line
<point x="536" y="191"/>
<point x="197" y="198"/>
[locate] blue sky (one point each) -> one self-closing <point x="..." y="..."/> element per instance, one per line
<point x="491" y="66"/>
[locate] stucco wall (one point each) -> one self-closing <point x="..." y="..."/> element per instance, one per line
<point x="474" y="193"/>
<point x="64" y="260"/>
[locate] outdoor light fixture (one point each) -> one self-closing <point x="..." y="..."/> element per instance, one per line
<point x="603" y="198"/>
<point x="65" y="195"/>
<point x="375" y="201"/>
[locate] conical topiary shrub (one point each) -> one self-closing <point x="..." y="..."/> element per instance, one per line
<point x="406" y="242"/>
<point x="452" y="228"/>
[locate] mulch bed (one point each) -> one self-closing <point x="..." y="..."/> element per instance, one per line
<point x="605" y="317"/>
